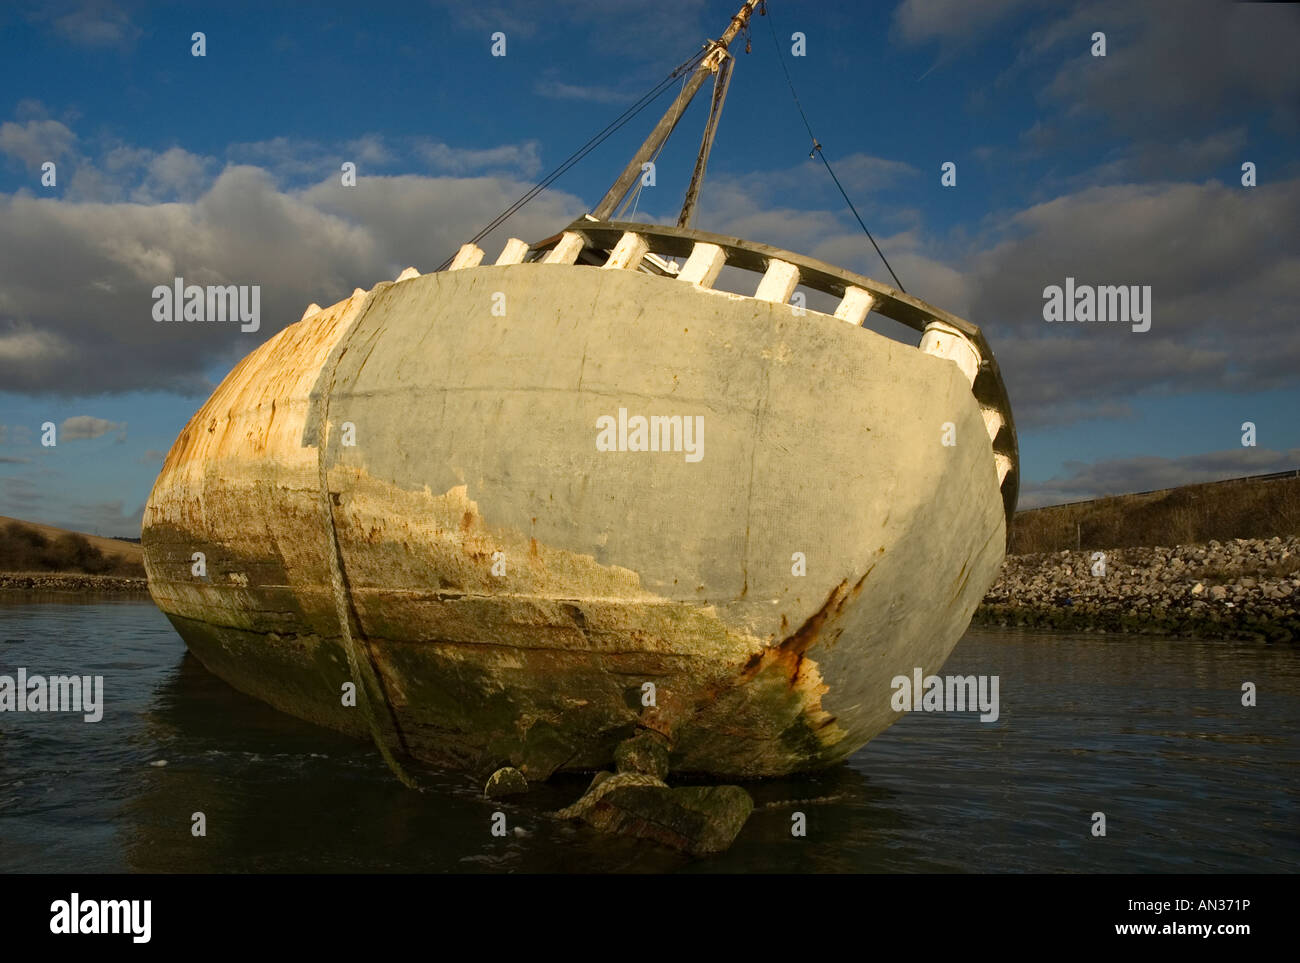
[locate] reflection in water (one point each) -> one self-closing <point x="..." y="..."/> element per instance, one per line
<point x="1151" y="732"/>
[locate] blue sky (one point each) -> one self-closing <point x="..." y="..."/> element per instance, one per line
<point x="1123" y="169"/>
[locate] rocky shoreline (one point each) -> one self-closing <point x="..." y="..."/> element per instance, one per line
<point x="77" y="583"/>
<point x="1241" y="589"/>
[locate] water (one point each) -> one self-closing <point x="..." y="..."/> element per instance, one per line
<point x="1151" y="732"/>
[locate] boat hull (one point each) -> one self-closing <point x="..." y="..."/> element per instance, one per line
<point x="522" y="594"/>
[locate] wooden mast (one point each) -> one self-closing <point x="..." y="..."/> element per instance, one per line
<point x="710" y="130"/>
<point x="712" y="63"/>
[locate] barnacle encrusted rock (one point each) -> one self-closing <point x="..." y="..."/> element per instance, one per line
<point x="506" y="781"/>
<point x="698" y="820"/>
<point x="645" y="752"/>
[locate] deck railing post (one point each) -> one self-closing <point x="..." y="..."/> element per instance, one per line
<point x="944" y="341"/>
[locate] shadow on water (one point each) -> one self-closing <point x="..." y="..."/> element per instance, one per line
<point x="1152" y="732"/>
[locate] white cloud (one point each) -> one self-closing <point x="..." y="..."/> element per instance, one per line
<point x="76" y="278"/>
<point x="85" y="427"/>
<point x="36" y="141"/>
<point x="921" y="21"/>
<point x="97" y="23"/>
<point x="521" y="158"/>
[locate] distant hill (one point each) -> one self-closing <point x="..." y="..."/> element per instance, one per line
<point x="33" y="547"/>
<point x="1258" y="506"/>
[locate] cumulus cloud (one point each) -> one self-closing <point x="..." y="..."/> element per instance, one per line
<point x="949" y="21"/>
<point x="36" y="141"/>
<point x="83" y="427"/>
<point x="1151" y="473"/>
<point x="291" y="158"/>
<point x="1188" y="60"/>
<point x="97" y="23"/>
<point x="1206" y="74"/>
<point x="523" y="158"/>
<point x="76" y="278"/>
<point x="1224" y="269"/>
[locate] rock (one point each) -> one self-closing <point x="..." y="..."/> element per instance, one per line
<point x="506" y="781"/>
<point x="602" y="787"/>
<point x="646" y="752"/>
<point x="695" y="819"/>
<point x="1156" y="590"/>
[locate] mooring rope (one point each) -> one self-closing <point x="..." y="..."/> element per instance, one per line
<point x="369" y="687"/>
<point x="817" y="149"/>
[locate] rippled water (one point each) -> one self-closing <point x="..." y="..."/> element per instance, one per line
<point x="1150" y="732"/>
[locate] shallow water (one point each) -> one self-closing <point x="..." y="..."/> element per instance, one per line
<point x="1149" y="731"/>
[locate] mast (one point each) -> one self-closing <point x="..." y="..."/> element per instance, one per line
<point x="710" y="130"/>
<point x="713" y="63"/>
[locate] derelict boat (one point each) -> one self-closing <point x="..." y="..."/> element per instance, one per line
<point x="531" y="506"/>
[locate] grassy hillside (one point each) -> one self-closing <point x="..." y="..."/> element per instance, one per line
<point x="31" y="547"/>
<point x="1216" y="511"/>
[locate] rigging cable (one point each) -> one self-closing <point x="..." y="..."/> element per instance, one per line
<point x="614" y="125"/>
<point x="817" y="149"/>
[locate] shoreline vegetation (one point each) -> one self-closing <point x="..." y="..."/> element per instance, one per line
<point x="39" y="560"/>
<point x="1219" y="560"/>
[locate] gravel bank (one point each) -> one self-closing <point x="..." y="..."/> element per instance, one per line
<point x="1242" y="589"/>
<point x="72" y="582"/>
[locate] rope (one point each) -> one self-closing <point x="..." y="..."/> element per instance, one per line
<point x="817" y="149"/>
<point x="613" y="126"/>
<point x="366" y="680"/>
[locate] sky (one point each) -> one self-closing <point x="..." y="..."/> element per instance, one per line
<point x="1122" y="169"/>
